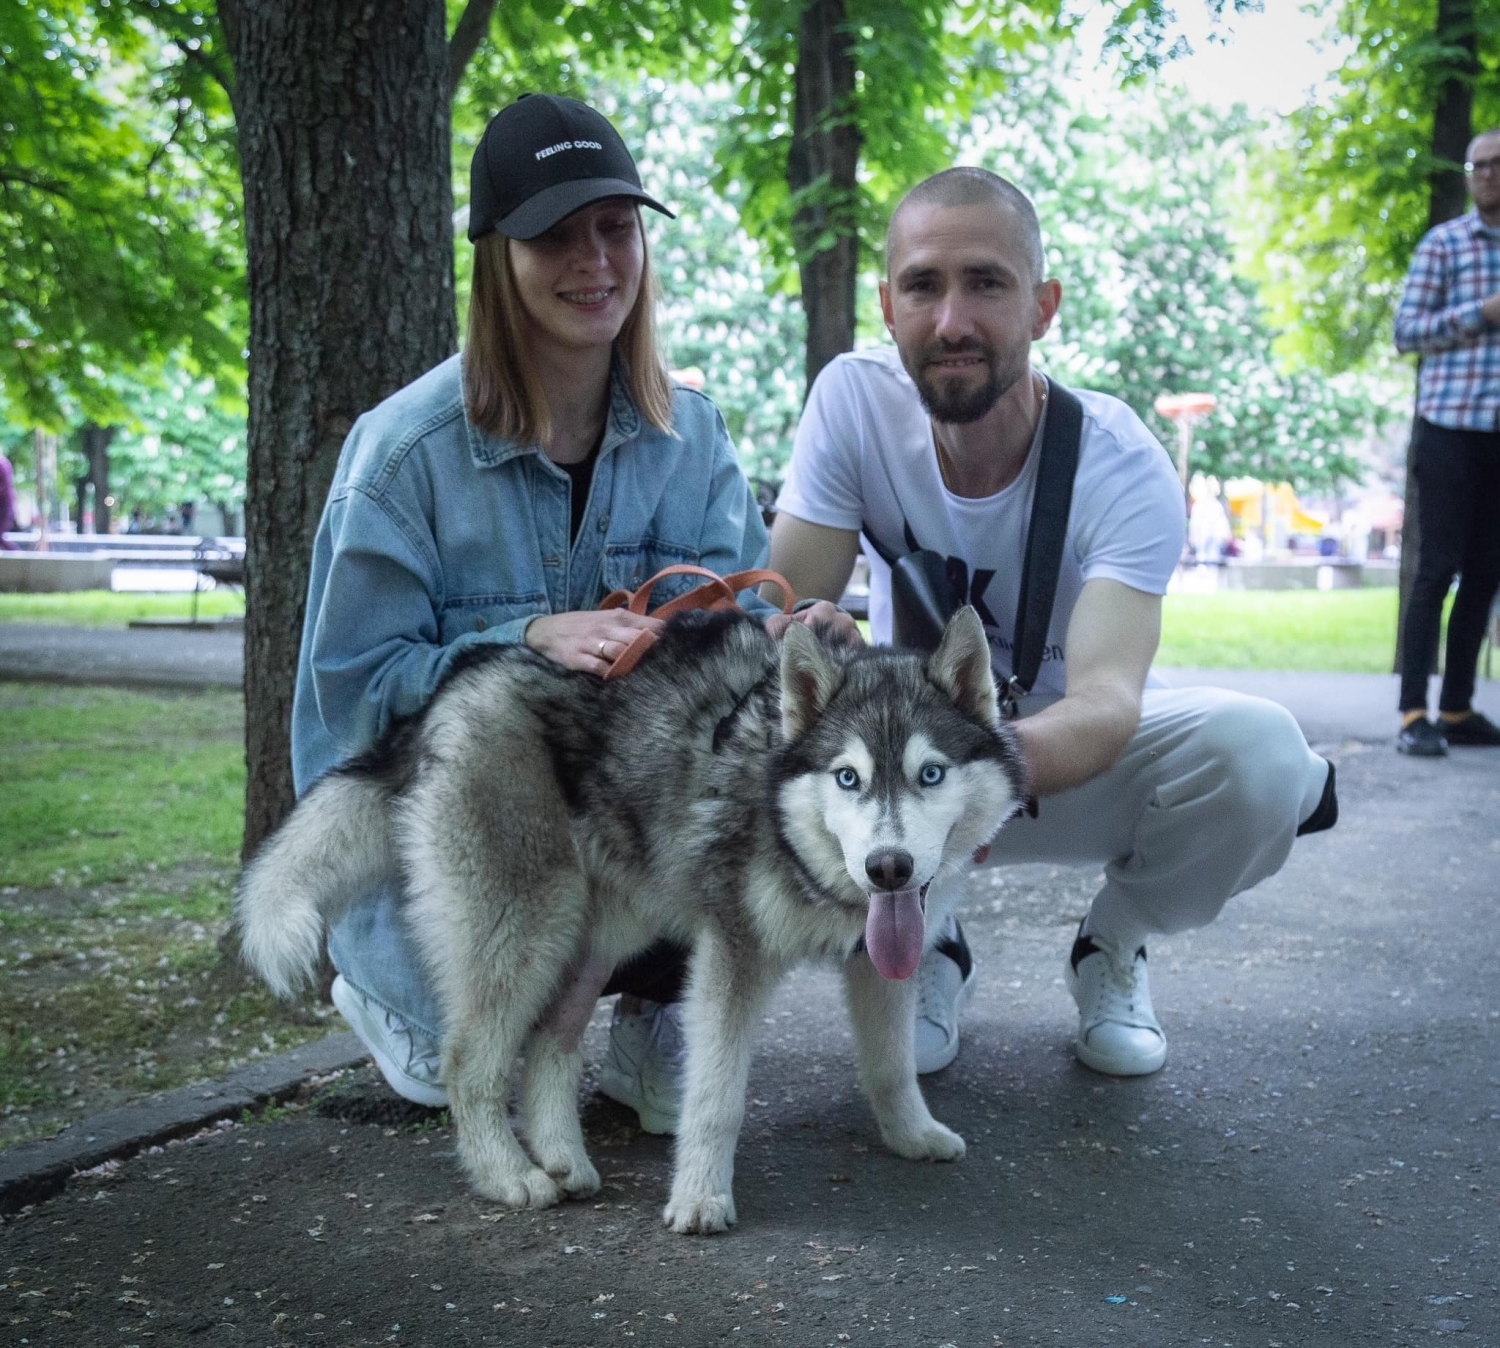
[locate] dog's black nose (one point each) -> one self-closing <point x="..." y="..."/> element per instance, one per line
<point x="889" y="867"/>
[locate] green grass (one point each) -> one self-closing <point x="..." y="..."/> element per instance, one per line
<point x="101" y="783"/>
<point x="1347" y="631"/>
<point x="120" y="828"/>
<point x="104" y="608"/>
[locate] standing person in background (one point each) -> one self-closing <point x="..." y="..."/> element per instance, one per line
<point x="1450" y="313"/>
<point x="7" y="502"/>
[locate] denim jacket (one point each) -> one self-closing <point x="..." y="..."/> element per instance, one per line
<point x="437" y="537"/>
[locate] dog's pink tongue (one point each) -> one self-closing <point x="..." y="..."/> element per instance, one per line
<point x="893" y="933"/>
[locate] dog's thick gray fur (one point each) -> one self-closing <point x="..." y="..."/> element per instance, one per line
<point x="757" y="802"/>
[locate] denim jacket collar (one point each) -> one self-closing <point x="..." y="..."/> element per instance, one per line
<point x="622" y="423"/>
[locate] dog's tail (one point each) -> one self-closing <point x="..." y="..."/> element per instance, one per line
<point x="333" y="848"/>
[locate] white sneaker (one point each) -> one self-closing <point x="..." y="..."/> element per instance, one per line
<point x="410" y="1062"/>
<point x="1117" y="1030"/>
<point x="945" y="982"/>
<point x="643" y="1065"/>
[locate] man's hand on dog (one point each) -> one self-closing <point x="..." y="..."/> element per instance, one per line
<point x="590" y="641"/>
<point x="829" y="621"/>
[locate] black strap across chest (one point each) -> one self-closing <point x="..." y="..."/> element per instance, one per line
<point x="925" y="593"/>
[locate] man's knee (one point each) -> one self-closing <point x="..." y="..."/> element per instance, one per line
<point x="1262" y="757"/>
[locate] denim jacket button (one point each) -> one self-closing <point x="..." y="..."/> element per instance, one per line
<point x="480" y="624"/>
<point x="603" y="523"/>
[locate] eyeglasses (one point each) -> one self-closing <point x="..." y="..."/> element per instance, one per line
<point x="1482" y="166"/>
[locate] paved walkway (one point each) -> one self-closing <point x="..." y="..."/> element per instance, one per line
<point x="1314" y="1167"/>
<point x="1329" y="707"/>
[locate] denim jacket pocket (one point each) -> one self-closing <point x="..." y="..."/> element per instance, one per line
<point x="628" y="566"/>
<point x="477" y="613"/>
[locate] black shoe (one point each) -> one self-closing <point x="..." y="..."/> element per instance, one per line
<point x="1422" y="739"/>
<point x="1476" y="730"/>
<point x="1327" y="813"/>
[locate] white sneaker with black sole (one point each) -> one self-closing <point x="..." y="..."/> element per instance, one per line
<point x="1118" y="1033"/>
<point x="945" y="982"/>
<point x="411" y="1063"/>
<point x="643" y="1065"/>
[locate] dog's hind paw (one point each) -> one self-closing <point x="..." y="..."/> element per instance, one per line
<point x="935" y="1142"/>
<point x="531" y="1188"/>
<point x="700" y="1214"/>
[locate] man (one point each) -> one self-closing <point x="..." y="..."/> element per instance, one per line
<point x="1450" y="313"/>
<point x="1185" y="797"/>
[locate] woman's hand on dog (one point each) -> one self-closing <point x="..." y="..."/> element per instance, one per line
<point x="590" y="641"/>
<point x="830" y="622"/>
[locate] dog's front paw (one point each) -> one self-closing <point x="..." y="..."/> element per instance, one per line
<point x="932" y="1142"/>
<point x="700" y="1214"/>
<point x="530" y="1188"/>
<point x="579" y="1179"/>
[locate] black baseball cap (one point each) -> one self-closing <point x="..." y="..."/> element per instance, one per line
<point x="543" y="158"/>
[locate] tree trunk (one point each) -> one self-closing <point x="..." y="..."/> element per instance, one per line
<point x="343" y="119"/>
<point x="95" y="442"/>
<point x="1452" y="130"/>
<point x="821" y="169"/>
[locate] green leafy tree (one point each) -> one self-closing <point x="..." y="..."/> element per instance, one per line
<point x="1153" y="302"/>
<point x="1366" y="170"/>
<point x="118" y="246"/>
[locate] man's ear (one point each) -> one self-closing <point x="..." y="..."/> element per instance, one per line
<point x="961" y="667"/>
<point x="887" y="311"/>
<point x="808" y="680"/>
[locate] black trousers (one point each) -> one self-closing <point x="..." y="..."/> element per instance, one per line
<point x="1458" y="511"/>
<point x="657" y="974"/>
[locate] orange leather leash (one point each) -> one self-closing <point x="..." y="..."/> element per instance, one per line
<point x="717" y="592"/>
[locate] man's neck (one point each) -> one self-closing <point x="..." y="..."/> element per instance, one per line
<point x="1489" y="219"/>
<point x="980" y="458"/>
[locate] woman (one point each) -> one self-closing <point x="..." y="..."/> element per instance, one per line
<point x="498" y="499"/>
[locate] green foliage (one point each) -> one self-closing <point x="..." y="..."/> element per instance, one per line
<point x="1341" y="199"/>
<point x="119" y="233"/>
<point x="1132" y="192"/>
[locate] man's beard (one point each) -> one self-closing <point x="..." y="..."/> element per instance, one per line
<point x="951" y="400"/>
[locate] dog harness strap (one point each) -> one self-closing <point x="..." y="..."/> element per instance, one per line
<point x="1045" y="537"/>
<point x="717" y="592"/>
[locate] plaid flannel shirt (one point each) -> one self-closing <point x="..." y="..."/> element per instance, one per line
<point x="1455" y="269"/>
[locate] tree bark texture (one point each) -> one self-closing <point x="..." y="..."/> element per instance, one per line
<point x="821" y="166"/>
<point x="95" y="444"/>
<point x="343" y="117"/>
<point x="1448" y="198"/>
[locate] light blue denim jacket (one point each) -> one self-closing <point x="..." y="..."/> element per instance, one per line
<point x="437" y="537"/>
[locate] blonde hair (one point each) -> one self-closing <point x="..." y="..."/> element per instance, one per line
<point x="503" y="393"/>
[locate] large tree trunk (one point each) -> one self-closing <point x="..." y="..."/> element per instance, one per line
<point x="342" y="112"/>
<point x="821" y="169"/>
<point x="95" y="442"/>
<point x="1452" y="130"/>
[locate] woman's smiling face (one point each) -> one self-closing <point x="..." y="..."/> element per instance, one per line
<point x="579" y="281"/>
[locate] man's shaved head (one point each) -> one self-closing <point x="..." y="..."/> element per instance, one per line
<point x="974" y="187"/>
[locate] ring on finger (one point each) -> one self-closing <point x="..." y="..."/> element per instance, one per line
<point x="602" y="645"/>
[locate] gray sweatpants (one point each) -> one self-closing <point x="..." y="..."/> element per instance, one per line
<point x="1204" y="802"/>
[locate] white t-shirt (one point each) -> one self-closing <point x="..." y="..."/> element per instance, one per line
<point x="864" y="459"/>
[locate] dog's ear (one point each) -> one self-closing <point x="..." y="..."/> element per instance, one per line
<point x="961" y="667"/>
<point x="808" y="680"/>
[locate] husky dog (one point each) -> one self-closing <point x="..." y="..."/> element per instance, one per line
<point x="763" y="805"/>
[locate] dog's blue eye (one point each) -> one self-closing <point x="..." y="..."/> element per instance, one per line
<point x="847" y="778"/>
<point x="933" y="773"/>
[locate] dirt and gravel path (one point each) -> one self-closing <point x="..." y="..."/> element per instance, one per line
<point x="1315" y="1166"/>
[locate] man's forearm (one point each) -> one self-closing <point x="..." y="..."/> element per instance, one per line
<point x="1074" y="740"/>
